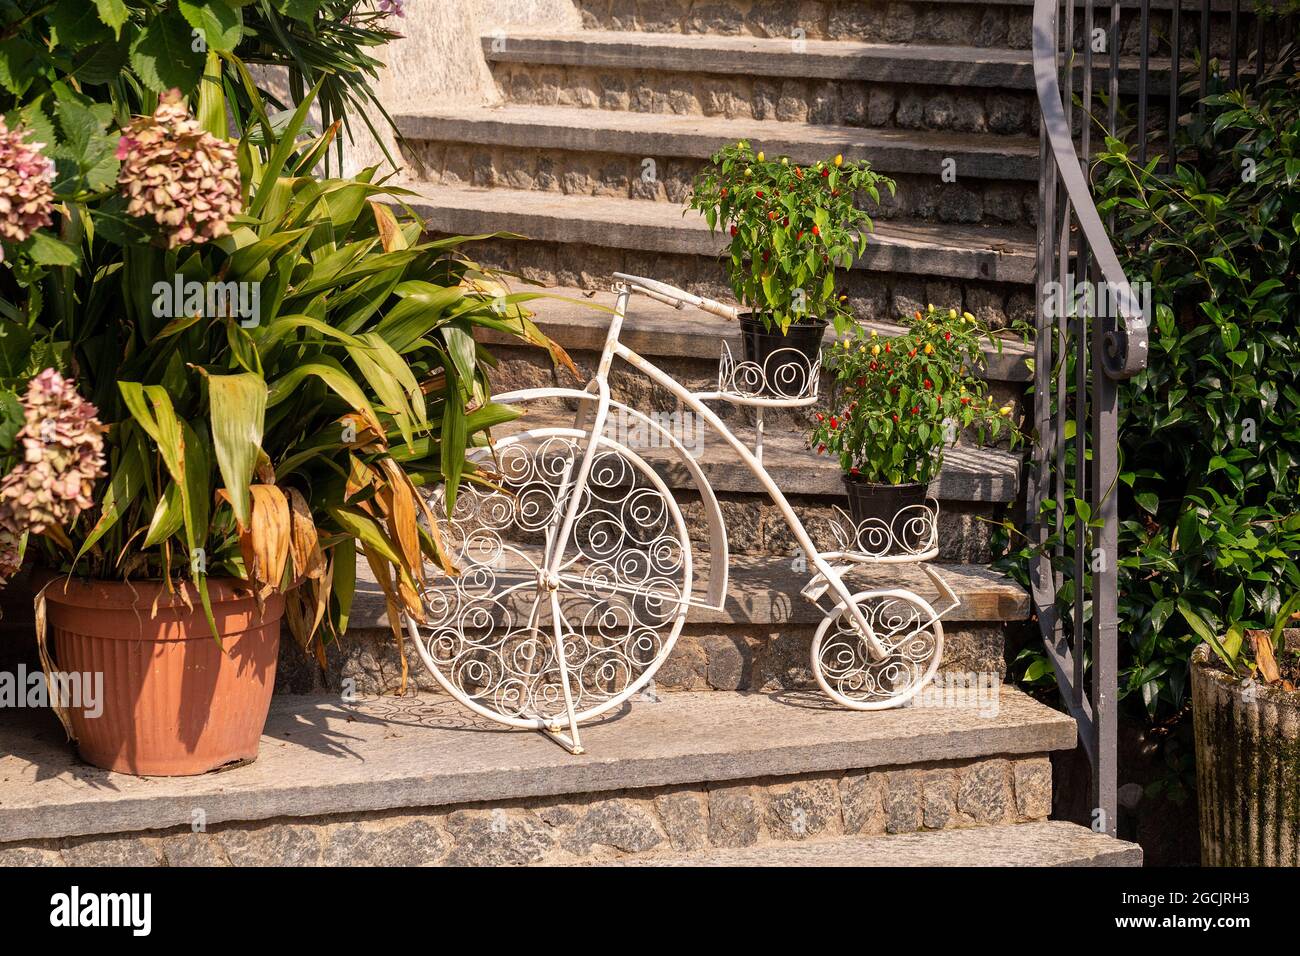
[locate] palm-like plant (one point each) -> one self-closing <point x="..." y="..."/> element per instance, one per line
<point x="278" y="447"/>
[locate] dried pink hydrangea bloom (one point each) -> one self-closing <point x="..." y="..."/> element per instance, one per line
<point x="26" y="196"/>
<point x="178" y="173"/>
<point x="63" y="455"/>
<point x="11" y="559"/>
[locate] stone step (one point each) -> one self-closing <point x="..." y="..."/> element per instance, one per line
<point x="780" y="57"/>
<point x="759" y="640"/>
<point x="981" y="253"/>
<point x="694" y="137"/>
<point x="1044" y="843"/>
<point x="764" y="593"/>
<point x="661" y="332"/>
<point x="970" y="474"/>
<point x="656" y="157"/>
<point x="830" y="83"/>
<point x="420" y="780"/>
<point x="980" y="23"/>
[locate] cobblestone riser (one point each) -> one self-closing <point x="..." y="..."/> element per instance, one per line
<point x="520" y="368"/>
<point x="873" y="296"/>
<point x="881" y="22"/>
<point x="595" y="827"/>
<point x="718" y="657"/>
<point x="908" y="104"/>
<point x="988" y="25"/>
<point x="924" y="197"/>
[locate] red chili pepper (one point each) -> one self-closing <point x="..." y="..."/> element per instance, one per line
<point x="734" y="230"/>
<point x="947" y="336"/>
<point x="758" y="193"/>
<point x="916" y="409"/>
<point x="817" y="231"/>
<point x="895" y="419"/>
<point x="825" y="172"/>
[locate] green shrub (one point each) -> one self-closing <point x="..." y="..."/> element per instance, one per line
<point x="1209" y="494"/>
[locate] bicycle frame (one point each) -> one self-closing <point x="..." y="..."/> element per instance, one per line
<point x="612" y="349"/>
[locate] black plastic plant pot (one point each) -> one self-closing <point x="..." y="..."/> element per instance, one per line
<point x="885" y="516"/>
<point x="785" y="360"/>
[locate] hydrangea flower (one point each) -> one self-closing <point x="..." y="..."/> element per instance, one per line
<point x="26" y="194"/>
<point x="63" y="455"/>
<point x="179" y="173"/>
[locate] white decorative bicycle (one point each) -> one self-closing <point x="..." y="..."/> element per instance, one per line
<point x="577" y="571"/>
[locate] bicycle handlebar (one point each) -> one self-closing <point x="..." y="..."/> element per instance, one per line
<point x="677" y="298"/>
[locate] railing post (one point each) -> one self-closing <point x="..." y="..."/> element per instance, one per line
<point x="1103" y="561"/>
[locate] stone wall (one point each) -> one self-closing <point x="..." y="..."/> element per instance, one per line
<point x="873" y="296"/>
<point x="595" y="827"/>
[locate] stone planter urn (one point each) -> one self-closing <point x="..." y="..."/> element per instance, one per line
<point x="1247" y="767"/>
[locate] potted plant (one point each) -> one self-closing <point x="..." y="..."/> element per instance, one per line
<point x="895" y="403"/>
<point x="262" y="370"/>
<point x="791" y="227"/>
<point x="1245" y="711"/>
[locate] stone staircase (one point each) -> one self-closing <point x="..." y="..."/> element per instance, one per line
<point x="735" y="758"/>
<point x="697" y="779"/>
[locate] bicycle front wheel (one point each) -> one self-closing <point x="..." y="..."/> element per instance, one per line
<point x="624" y="582"/>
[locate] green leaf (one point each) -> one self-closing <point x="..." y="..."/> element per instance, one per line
<point x="221" y="25"/>
<point x="113" y="13"/>
<point x="329" y="371"/>
<point x="164" y="54"/>
<point x="18" y="65"/>
<point x="1206" y="633"/>
<point x="238" y="414"/>
<point x="75" y="25"/>
<point x="344" y="579"/>
<point x="123" y="487"/>
<point x="1283" y="618"/>
<point x="46" y="250"/>
<point x="211" y="112"/>
<point x="454" y="437"/>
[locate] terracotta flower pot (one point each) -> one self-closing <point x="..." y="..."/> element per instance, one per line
<point x="174" y="703"/>
<point x="1247" y="768"/>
